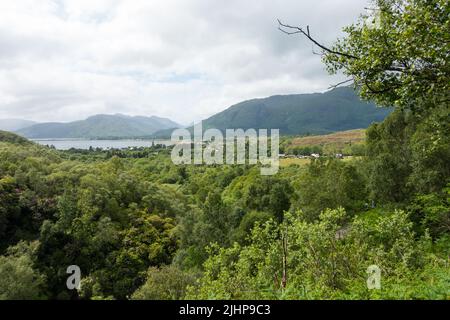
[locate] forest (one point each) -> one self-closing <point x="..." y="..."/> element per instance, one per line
<point x="140" y="227"/>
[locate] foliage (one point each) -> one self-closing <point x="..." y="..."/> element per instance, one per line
<point x="13" y="138"/>
<point x="140" y="227"/>
<point x="432" y="212"/>
<point x="166" y="283"/>
<point x="330" y="184"/>
<point x="398" y="54"/>
<point x="19" y="279"/>
<point x="407" y="155"/>
<point x="325" y="259"/>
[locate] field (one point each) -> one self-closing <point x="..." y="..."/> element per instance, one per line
<point x="350" y="142"/>
<point x="343" y="137"/>
<point x="290" y="161"/>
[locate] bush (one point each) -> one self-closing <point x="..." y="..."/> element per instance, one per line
<point x="18" y="278"/>
<point x="165" y="283"/>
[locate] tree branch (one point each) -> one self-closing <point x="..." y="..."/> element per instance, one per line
<point x="334" y="86"/>
<point x="307" y="34"/>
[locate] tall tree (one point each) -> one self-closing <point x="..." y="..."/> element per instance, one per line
<point x="398" y="53"/>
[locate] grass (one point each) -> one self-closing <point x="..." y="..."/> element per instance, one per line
<point x="343" y="137"/>
<point x="291" y="161"/>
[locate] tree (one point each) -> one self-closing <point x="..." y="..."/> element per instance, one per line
<point x="9" y="209"/>
<point x="408" y="154"/>
<point x="323" y="259"/>
<point x="389" y="158"/>
<point x="18" y="278"/>
<point x="150" y="241"/>
<point x="330" y="184"/>
<point x="398" y="55"/>
<point x="165" y="283"/>
<point x="431" y="212"/>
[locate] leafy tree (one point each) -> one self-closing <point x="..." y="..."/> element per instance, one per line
<point x="165" y="283"/>
<point x="248" y="222"/>
<point x="149" y="242"/>
<point x="326" y="258"/>
<point x="430" y="151"/>
<point x="19" y="280"/>
<point x="330" y="184"/>
<point x="389" y="155"/>
<point x="408" y="154"/>
<point x="431" y="212"/>
<point x="254" y="192"/>
<point x="397" y="55"/>
<point x="9" y="199"/>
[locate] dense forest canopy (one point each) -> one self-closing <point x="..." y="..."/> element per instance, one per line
<point x="140" y="227"/>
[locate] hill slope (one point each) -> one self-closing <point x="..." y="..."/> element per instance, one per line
<point x="100" y="126"/>
<point x="318" y="113"/>
<point x="9" y="137"/>
<point x="350" y="136"/>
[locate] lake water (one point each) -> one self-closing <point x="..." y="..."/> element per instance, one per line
<point x="66" y="144"/>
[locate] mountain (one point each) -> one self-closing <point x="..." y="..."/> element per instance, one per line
<point x="317" y="113"/>
<point x="339" y="109"/>
<point x="15" y="124"/>
<point x="100" y="126"/>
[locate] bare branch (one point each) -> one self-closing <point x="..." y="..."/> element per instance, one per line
<point x="334" y="86"/>
<point x="307" y="34"/>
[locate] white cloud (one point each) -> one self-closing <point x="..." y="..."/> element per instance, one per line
<point x="62" y="60"/>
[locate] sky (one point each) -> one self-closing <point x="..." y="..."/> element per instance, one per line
<point x="65" y="60"/>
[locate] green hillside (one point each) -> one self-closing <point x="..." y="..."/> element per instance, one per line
<point x="9" y="137"/>
<point x="318" y="113"/>
<point x="100" y="126"/>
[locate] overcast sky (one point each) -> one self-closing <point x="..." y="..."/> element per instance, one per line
<point x="64" y="60"/>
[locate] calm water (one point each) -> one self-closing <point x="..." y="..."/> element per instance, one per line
<point x="103" y="144"/>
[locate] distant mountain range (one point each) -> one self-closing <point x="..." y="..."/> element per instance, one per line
<point x="15" y="124"/>
<point x="100" y="127"/>
<point x="317" y="113"/>
<point x="298" y="114"/>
